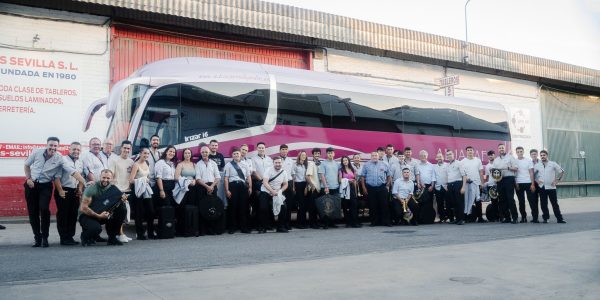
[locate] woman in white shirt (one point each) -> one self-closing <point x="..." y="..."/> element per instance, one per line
<point x="143" y="207"/>
<point x="164" y="174"/>
<point x="300" y="189"/>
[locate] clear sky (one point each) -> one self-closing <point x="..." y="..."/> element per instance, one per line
<point x="563" y="30"/>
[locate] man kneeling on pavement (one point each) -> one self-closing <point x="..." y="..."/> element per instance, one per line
<point x="91" y="221"/>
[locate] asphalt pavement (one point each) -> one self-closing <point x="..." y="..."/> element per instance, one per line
<point x="560" y="261"/>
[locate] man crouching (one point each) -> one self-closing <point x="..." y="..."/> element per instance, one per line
<point x="101" y="204"/>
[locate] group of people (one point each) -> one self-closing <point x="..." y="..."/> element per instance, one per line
<point x="261" y="192"/>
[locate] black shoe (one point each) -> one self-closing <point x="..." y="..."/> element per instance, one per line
<point x="372" y="225"/>
<point x="387" y="225"/>
<point x="314" y="226"/>
<point x="283" y="230"/>
<point x="481" y="221"/>
<point x="100" y="239"/>
<point x="37" y="243"/>
<point x="514" y="221"/>
<point x="506" y="221"/>
<point x="416" y="224"/>
<point x="461" y="222"/>
<point x="45" y="243"/>
<point x="545" y="221"/>
<point x="68" y="242"/>
<point x="561" y="221"/>
<point x="246" y="231"/>
<point x="333" y="226"/>
<point x="2" y="227"/>
<point x="523" y="220"/>
<point x="112" y="241"/>
<point x="231" y="231"/>
<point x="288" y="227"/>
<point x="535" y="221"/>
<point x="85" y="243"/>
<point x="141" y="237"/>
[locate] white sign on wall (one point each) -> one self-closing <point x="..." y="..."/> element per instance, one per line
<point x="40" y="96"/>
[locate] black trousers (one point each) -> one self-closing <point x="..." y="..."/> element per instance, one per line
<point x="506" y="195"/>
<point x="290" y="203"/>
<point x="209" y="227"/>
<point x="457" y="200"/>
<point x="379" y="205"/>
<point x="350" y="207"/>
<point x="253" y="201"/>
<point x="238" y="210"/>
<point x="444" y="207"/>
<point x="524" y="189"/>
<point x="66" y="213"/>
<point x="302" y="201"/>
<point x="143" y="211"/>
<point x="399" y="210"/>
<point x="91" y="227"/>
<point x="38" y="207"/>
<point x="544" y="196"/>
<point x="265" y="211"/>
<point x="311" y="206"/>
<point x="426" y="202"/>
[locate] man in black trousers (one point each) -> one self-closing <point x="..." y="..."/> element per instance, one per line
<point x="41" y="167"/>
<point x="67" y="195"/>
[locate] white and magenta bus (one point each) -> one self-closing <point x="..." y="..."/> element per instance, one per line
<point x="187" y="101"/>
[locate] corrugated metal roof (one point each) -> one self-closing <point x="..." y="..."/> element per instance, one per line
<point x="358" y="34"/>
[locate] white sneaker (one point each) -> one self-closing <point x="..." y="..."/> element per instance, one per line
<point x="123" y="238"/>
<point x="128" y="238"/>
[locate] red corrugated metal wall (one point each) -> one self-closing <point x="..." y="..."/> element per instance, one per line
<point x="134" y="47"/>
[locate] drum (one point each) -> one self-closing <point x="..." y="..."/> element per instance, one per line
<point x="211" y="207"/>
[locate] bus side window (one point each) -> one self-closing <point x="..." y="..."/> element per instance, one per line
<point x="212" y="108"/>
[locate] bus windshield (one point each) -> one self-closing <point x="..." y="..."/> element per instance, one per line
<point x="120" y="123"/>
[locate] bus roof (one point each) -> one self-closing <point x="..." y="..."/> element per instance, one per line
<point x="196" y="69"/>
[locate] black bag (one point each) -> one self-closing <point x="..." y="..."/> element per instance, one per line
<point x="491" y="212"/>
<point x="211" y="207"/>
<point x="329" y="206"/>
<point x="166" y="222"/>
<point x="107" y="201"/>
<point x="191" y="217"/>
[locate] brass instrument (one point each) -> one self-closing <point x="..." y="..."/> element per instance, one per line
<point x="407" y="215"/>
<point x="496" y="174"/>
<point x="418" y="194"/>
<point x="493" y="192"/>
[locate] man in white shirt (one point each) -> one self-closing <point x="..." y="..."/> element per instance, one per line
<point x="441" y="188"/>
<point x="389" y="157"/>
<point x="457" y="181"/>
<point x="490" y="182"/>
<point x="260" y="163"/>
<point x="121" y="166"/>
<point x="313" y="183"/>
<point x="275" y="182"/>
<point x="549" y="173"/>
<point x="67" y="197"/>
<point x="92" y="162"/>
<point x="524" y="185"/>
<point x="535" y="195"/>
<point x="473" y="168"/>
<point x="506" y="187"/>
<point x="207" y="180"/>
<point x="107" y="152"/>
<point x="287" y="163"/>
<point x="426" y="183"/>
<point x="403" y="191"/>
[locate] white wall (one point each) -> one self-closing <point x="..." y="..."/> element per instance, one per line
<point x="80" y="43"/>
<point x="519" y="97"/>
